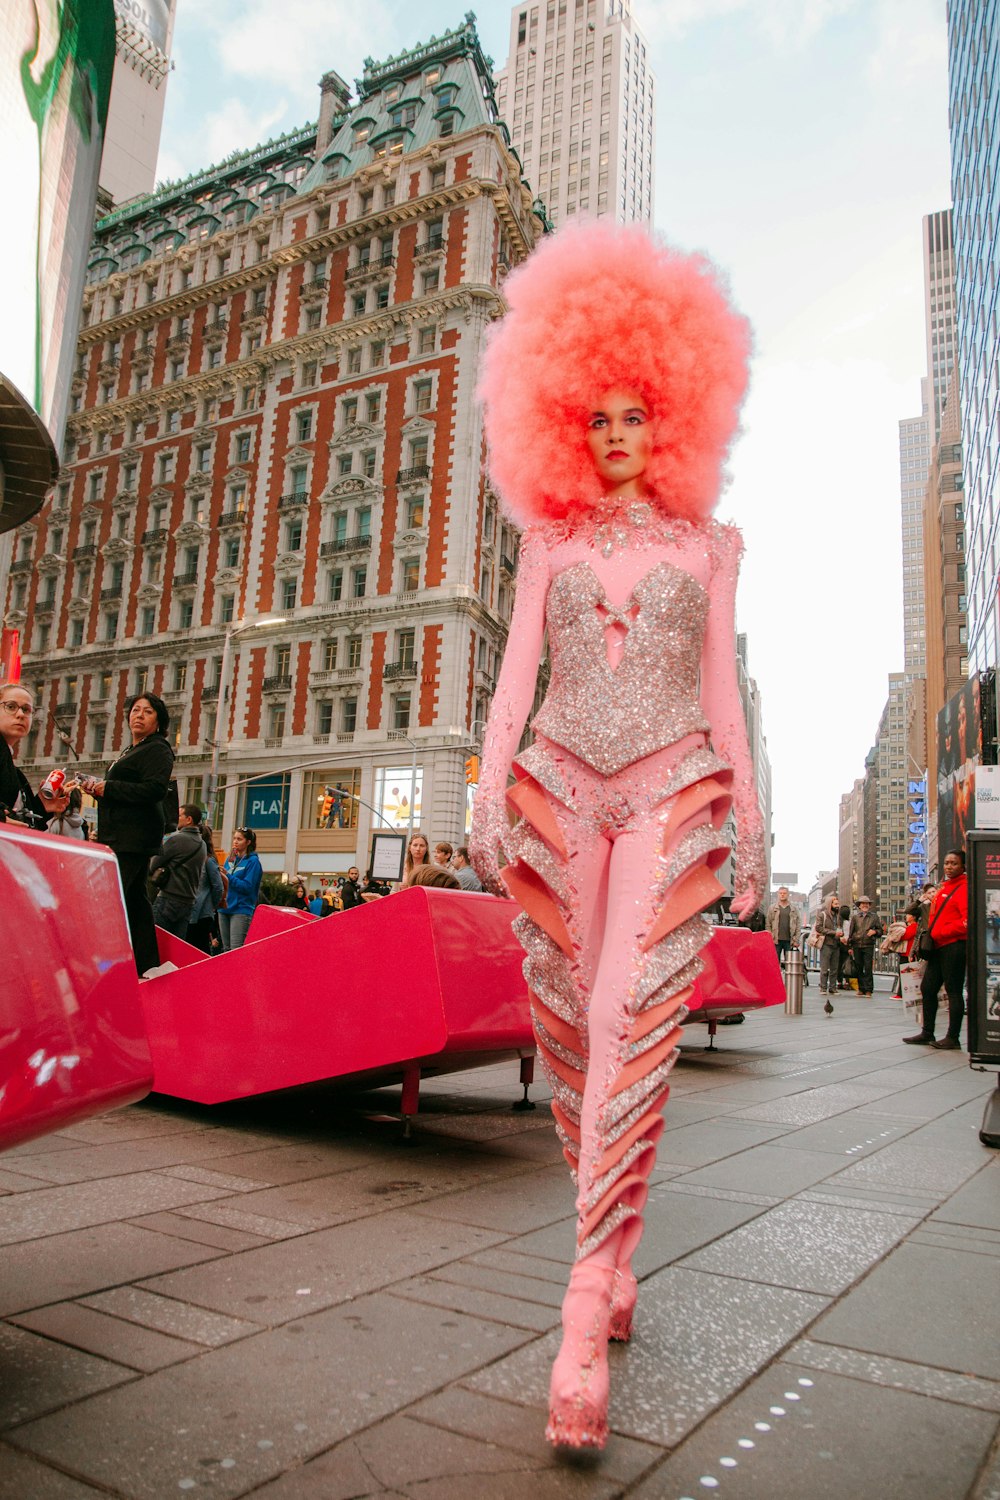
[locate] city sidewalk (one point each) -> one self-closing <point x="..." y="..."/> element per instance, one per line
<point x="282" y="1299"/>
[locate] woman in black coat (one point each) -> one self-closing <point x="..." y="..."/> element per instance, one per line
<point x="130" y="814"/>
<point x="16" y="797"/>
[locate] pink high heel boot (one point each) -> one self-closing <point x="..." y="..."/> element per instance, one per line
<point x="578" y="1391"/>
<point x="624" y="1293"/>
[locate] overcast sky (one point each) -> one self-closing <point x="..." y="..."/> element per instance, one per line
<point x="799" y="142"/>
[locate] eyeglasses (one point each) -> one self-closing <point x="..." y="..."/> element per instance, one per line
<point x="17" y="708"/>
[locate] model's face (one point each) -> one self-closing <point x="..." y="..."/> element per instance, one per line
<point x="142" y="720"/>
<point x="952" y="867"/>
<point x="239" y="845"/>
<point x="963" y="722"/>
<point x="15" y="715"/>
<point x="620" y="439"/>
<point x="418" y="849"/>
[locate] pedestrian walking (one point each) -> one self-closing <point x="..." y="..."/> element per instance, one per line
<point x="176" y="871"/>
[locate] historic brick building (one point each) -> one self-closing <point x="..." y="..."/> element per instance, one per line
<point x="274" y="420"/>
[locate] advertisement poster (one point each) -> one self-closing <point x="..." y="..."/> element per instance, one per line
<point x="961" y="749"/>
<point x="984" y="948"/>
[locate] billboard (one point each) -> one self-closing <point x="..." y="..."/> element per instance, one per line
<point x="56" y="63"/>
<point x="966" y="739"/>
<point x="150" y="18"/>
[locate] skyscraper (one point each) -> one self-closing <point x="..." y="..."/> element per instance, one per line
<point x="973" y="105"/>
<point x="917" y="435"/>
<point x="138" y="96"/>
<point x="577" y="96"/>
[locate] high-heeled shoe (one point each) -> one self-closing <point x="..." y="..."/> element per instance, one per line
<point x="624" y="1293"/>
<point x="579" y="1388"/>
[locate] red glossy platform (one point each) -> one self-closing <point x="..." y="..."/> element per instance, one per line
<point x="72" y="1031"/>
<point x="421" y="983"/>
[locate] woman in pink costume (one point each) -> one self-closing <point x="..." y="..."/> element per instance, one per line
<point x="611" y="393"/>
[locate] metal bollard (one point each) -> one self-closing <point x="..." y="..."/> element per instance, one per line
<point x="793" y="983"/>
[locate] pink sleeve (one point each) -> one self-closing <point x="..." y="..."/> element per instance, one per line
<point x="720" y="697"/>
<point x="511" y="706"/>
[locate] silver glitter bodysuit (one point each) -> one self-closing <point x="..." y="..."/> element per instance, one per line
<point x="608" y="716"/>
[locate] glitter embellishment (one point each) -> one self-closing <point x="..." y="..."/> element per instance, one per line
<point x="611" y="717"/>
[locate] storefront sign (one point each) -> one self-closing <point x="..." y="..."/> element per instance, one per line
<point x="988" y="796"/>
<point x="916" y="792"/>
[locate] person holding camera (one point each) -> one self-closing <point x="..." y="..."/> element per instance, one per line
<point x="176" y="872"/>
<point x="17" y="801"/>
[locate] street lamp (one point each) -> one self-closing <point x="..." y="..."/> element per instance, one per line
<point x="221" y="727"/>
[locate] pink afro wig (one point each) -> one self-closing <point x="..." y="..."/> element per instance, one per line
<point x="596" y="308"/>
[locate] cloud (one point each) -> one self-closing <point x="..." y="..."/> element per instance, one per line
<point x="790" y="25"/>
<point x="292" y="44"/>
<point x="231" y="126"/>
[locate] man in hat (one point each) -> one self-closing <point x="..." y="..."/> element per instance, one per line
<point x="864" y="932"/>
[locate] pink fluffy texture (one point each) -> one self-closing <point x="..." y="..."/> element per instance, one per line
<point x="597" y="308"/>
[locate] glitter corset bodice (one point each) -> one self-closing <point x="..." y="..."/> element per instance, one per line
<point x="611" y="716"/>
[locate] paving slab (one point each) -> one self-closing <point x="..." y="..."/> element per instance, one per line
<point x="931" y="1306"/>
<point x="852" y="1135"/>
<point x="295" y="1161"/>
<point x="697" y="1339"/>
<point x="171" y="1317"/>
<point x="58" y="1267"/>
<point x="977" y="1203"/>
<point x="458" y="1409"/>
<point x="810" y="1105"/>
<point x="900" y="1374"/>
<point x="314" y="1383"/>
<point x="118" y="1158"/>
<point x="513" y="1312"/>
<point x="777" y="1169"/>
<point x="813" y="1247"/>
<point x="37" y="1375"/>
<point x="826" y="1439"/>
<point x="676" y="1223"/>
<point x="930" y="1166"/>
<point x="24" y="1478"/>
<point x="299" y="1276"/>
<point x="218" y="1236"/>
<point x="707" y="1141"/>
<point x="56" y="1210"/>
<point x="108" y="1337"/>
<point x="542" y="1197"/>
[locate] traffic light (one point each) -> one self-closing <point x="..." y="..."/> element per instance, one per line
<point x="324" y="811"/>
<point x="472" y="770"/>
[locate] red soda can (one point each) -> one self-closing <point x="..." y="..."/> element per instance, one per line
<point x="53" y="784"/>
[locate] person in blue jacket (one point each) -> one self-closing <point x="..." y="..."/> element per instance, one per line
<point x="244" y="873"/>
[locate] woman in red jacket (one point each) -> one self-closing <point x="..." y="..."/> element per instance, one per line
<point x="948" y="925"/>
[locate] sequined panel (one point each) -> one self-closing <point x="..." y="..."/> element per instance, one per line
<point x="613" y="717"/>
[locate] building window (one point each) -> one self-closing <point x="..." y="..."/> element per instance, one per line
<point x="409" y="574"/>
<point x="345" y="463"/>
<point x="180" y="676"/>
<point x="354" y="652"/>
<point x="401" y="711"/>
<point x="422" y="395"/>
<point x="289" y="592"/>
<point x="349" y="411"/>
<point x="98" y="734"/>
<point x="354" y="361"/>
<point x="359" y="579"/>
<point x="349" y="715"/>
<point x="110" y="625"/>
<point x="330" y="654"/>
<point x="329" y="797"/>
<point x="426" y="340"/>
<point x="241" y="452"/>
<point x="304" y="425"/>
<point x="299" y="476"/>
<point x="227" y="605"/>
<point x="185" y="614"/>
<point x="373" y="406"/>
<point x="368" y="463"/>
<point x="310" y="372"/>
<point x="76" y="633"/>
<point x="335" y="590"/>
<point x="293" y="536"/>
<point x="324" y="717"/>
